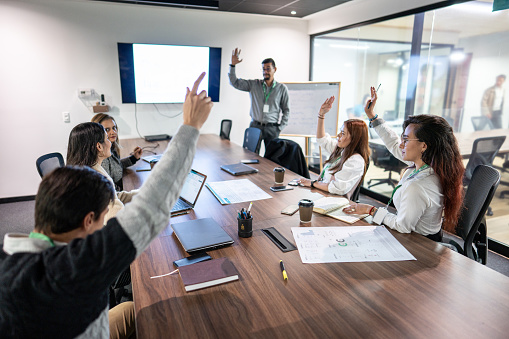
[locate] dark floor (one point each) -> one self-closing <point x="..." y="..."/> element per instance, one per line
<point x="19" y="217"/>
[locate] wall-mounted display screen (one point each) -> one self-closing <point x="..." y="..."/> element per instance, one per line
<point x="152" y="73"/>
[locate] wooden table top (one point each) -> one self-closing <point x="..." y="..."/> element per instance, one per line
<point x="442" y="293"/>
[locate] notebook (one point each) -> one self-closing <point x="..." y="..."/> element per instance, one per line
<point x="190" y="192"/>
<point x="239" y="169"/>
<point x="333" y="207"/>
<point x="201" y="234"/>
<point x="208" y="273"/>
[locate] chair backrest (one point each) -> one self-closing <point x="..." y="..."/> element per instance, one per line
<point x="481" y="190"/>
<point x="288" y="154"/>
<point x="484" y="151"/>
<point x="252" y="139"/>
<point x="226" y="127"/>
<point x="355" y="195"/>
<point x="48" y="162"/>
<point x="383" y="158"/>
<point x="481" y="123"/>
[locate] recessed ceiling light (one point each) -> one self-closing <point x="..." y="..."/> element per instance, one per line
<point x="293" y="12"/>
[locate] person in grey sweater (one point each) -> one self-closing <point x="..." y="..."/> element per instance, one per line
<point x="54" y="282"/>
<point x="113" y="165"/>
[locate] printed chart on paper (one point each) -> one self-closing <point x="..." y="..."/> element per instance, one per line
<point x="348" y="244"/>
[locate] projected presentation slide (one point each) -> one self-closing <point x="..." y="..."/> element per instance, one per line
<point x="162" y="72"/>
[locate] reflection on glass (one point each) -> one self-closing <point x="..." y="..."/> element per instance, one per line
<point x="464" y="49"/>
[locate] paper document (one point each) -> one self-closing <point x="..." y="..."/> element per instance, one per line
<point x="235" y="191"/>
<point x="348" y="244"/>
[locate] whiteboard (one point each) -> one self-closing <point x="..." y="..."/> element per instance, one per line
<point x="306" y="98"/>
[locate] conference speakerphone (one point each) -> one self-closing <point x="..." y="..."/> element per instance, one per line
<point x="157" y="137"/>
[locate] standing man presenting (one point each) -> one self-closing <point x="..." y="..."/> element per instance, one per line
<point x="493" y="102"/>
<point x="269" y="99"/>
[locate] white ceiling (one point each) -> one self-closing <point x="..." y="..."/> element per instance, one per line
<point x="466" y="19"/>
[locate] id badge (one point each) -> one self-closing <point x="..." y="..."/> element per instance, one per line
<point x="266" y="108"/>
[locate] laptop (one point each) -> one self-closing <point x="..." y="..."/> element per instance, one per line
<point x="239" y="169"/>
<point x="201" y="234"/>
<point x="190" y="192"/>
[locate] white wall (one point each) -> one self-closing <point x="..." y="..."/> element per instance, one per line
<point x="51" y="48"/>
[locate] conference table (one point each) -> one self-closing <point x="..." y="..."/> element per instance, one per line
<point x="441" y="294"/>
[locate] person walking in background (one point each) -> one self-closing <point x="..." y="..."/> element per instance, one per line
<point x="269" y="99"/>
<point x="493" y="102"/>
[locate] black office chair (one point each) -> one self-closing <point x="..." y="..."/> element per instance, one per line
<point x="288" y="154"/>
<point x="481" y="123"/>
<point x="503" y="193"/>
<point x="384" y="159"/>
<point x="471" y="225"/>
<point x="484" y="151"/>
<point x="252" y="139"/>
<point x="355" y="195"/>
<point x="119" y="288"/>
<point x="48" y="162"/>
<point x="226" y="127"/>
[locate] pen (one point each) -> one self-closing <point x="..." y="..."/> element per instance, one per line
<point x="285" y="277"/>
<point x="249" y="208"/>
<point x="180" y="213"/>
<point x="143" y="169"/>
<point x="369" y="105"/>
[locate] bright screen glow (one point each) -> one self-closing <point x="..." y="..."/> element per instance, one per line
<point x="162" y="72"/>
<point x="151" y="73"/>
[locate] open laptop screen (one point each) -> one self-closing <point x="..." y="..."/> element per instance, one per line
<point x="192" y="187"/>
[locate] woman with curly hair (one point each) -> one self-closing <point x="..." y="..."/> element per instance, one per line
<point x="432" y="187"/>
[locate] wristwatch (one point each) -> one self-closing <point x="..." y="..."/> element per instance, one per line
<point x="313" y="183"/>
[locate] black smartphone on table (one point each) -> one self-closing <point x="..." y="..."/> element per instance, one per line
<point x="280" y="188"/>
<point x="193" y="259"/>
<point x="250" y="161"/>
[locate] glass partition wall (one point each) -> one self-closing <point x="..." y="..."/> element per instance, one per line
<point x="436" y="62"/>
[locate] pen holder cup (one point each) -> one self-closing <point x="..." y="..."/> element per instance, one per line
<point x="245" y="227"/>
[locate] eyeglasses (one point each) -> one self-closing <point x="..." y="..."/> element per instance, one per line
<point x="405" y="140"/>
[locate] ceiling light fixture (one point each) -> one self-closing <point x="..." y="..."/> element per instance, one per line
<point x="293" y="12"/>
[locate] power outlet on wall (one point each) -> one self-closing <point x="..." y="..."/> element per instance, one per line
<point x="66" y="116"/>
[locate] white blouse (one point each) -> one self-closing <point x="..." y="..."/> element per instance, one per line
<point x="346" y="180"/>
<point x="419" y="201"/>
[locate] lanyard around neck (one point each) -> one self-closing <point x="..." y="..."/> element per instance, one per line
<point x="41" y="236"/>
<point x="265" y="90"/>
<point x="327" y="166"/>
<point x="413" y="174"/>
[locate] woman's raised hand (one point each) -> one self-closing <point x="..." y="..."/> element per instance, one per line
<point x="326" y="106"/>
<point x="370" y="104"/>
